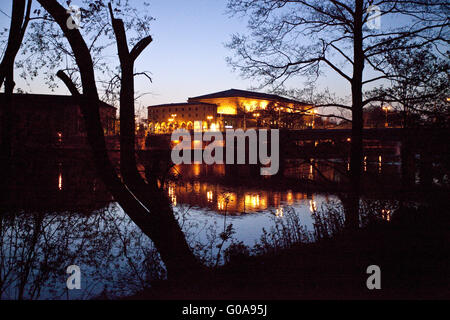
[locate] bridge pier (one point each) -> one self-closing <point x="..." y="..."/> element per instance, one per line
<point x="408" y="167"/>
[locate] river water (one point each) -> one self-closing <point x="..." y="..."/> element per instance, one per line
<point x="58" y="213"/>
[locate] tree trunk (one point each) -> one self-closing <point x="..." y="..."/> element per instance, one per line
<point x="157" y="220"/>
<point x="357" y="108"/>
<point x="19" y="22"/>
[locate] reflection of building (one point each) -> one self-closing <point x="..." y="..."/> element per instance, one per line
<point x="48" y="120"/>
<point x="56" y="184"/>
<point x="237" y="201"/>
<point x="382" y="117"/>
<point x="231" y="109"/>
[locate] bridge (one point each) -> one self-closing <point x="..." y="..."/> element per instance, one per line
<point x="417" y="137"/>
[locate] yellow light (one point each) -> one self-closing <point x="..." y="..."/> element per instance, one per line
<point x="196" y="171"/>
<point x="174" y="200"/>
<point x="247" y="200"/>
<point x="227" y="109"/>
<point x="279" y="212"/>
<point x="255" y="201"/>
<point x="290" y="198"/>
<point x="60" y="181"/>
<point x="197" y="125"/>
<point x="209" y="117"/>
<point x="312" y="206"/>
<point x="174" y="115"/>
<point x="209" y="196"/>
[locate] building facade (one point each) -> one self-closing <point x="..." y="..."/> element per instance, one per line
<point x="40" y="120"/>
<point x="231" y="109"/>
<point x="168" y="117"/>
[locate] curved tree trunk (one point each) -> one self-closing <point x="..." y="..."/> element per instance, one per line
<point x="19" y="21"/>
<point x="357" y="115"/>
<point x="156" y="220"/>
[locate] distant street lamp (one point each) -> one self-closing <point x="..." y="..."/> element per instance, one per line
<point x="256" y="115"/>
<point x="386" y="109"/>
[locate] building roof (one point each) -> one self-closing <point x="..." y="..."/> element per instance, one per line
<point x="245" y="94"/>
<point x="49" y="100"/>
<point x="181" y="104"/>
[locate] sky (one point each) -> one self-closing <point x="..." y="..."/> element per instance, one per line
<point x="187" y="55"/>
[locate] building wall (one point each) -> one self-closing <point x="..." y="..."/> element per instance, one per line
<point x="48" y="121"/>
<point x="244" y="112"/>
<point x="227" y="112"/>
<point x="165" y="118"/>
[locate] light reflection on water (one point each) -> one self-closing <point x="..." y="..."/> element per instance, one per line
<point x="234" y="201"/>
<point x="74" y="221"/>
<point x="248" y="211"/>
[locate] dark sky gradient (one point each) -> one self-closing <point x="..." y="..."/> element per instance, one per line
<point x="187" y="56"/>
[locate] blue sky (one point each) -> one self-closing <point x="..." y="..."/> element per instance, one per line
<point x="187" y="56"/>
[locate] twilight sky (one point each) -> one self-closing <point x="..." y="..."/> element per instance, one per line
<point x="187" y="56"/>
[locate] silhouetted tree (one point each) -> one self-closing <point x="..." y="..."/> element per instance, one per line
<point x="146" y="205"/>
<point x="153" y="214"/>
<point x="419" y="83"/>
<point x="300" y="38"/>
<point x="20" y="18"/>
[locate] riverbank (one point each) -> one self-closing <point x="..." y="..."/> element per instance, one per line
<point x="412" y="251"/>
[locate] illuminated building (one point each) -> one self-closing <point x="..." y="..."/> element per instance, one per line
<point x="165" y="118"/>
<point x="231" y="109"/>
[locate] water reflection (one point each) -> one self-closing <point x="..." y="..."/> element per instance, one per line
<point x="115" y="257"/>
<point x="235" y="201"/>
<point x="57" y="213"/>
